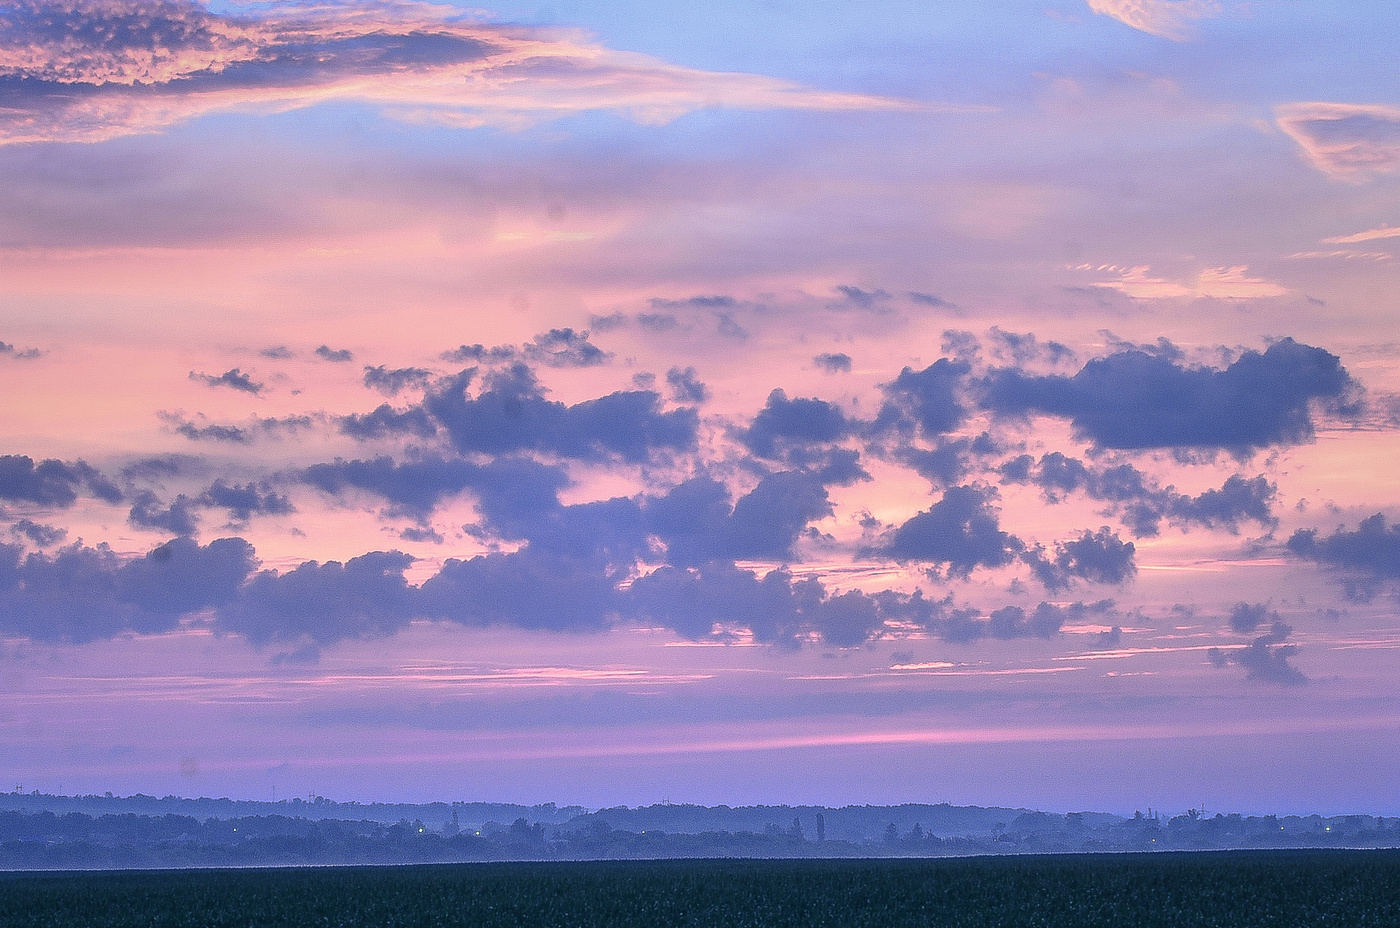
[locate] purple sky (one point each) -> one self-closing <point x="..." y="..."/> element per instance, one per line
<point x="616" y="402"/>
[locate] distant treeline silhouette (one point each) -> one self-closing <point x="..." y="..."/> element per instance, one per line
<point x="75" y="840"/>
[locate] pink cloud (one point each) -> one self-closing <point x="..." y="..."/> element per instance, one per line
<point x="97" y="69"/>
<point x="1348" y="141"/>
<point x="1169" y="19"/>
<point x="1221" y="283"/>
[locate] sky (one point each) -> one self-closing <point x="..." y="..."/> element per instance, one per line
<point x="616" y="402"/>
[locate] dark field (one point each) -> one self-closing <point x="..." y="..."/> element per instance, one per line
<point x="1274" y="888"/>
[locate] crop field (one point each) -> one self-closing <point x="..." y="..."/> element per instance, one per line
<point x="1263" y="888"/>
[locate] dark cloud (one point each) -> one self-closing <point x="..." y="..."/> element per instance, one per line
<point x="39" y="534"/>
<point x="696" y="302"/>
<point x="277" y="352"/>
<point x="658" y="322"/>
<point x="928" y="399"/>
<point x="949" y="461"/>
<point x="1137" y="399"/>
<point x="422" y="535"/>
<point x="364" y="597"/>
<point x="608" y="323"/>
<point x="234" y="379"/>
<point x="839" y="363"/>
<point x="198" y="430"/>
<point x="474" y="354"/>
<point x="52" y="482"/>
<point x="698" y="525"/>
<point x="928" y="299"/>
<point x="1265" y="659"/>
<point x="1098" y="557"/>
<point x="1372" y="549"/>
<point x="512" y="493"/>
<point x="511" y="414"/>
<point x="564" y="348"/>
<point x="1139" y="500"/>
<point x="337" y="355"/>
<point x="177" y="518"/>
<point x="81" y="594"/>
<point x="865" y="299"/>
<point x="385" y="420"/>
<point x="1246" y="617"/>
<point x="783" y="424"/>
<point x="960" y="531"/>
<point x="244" y="500"/>
<point x="392" y="381"/>
<point x="212" y="432"/>
<point x="966" y="625"/>
<point x="1024" y="348"/>
<point x="686" y="386"/>
<point x="528" y="589"/>
<point x="694" y="601"/>
<point x="19" y="354"/>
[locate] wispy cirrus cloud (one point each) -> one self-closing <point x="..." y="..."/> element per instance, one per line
<point x="1221" y="283"/>
<point x="89" y="70"/>
<point x="1169" y="19"/>
<point x="1348" y="141"/>
<point x="1370" y="235"/>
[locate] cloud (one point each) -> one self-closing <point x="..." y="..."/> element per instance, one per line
<point x="928" y="399"/>
<point x="1265" y="659"/>
<point x="1169" y="19"/>
<point x="51" y="482"/>
<point x="839" y="363"/>
<point x="1369" y="235"/>
<point x="1246" y="617"/>
<point x="960" y="531"/>
<point x="785" y="424"/>
<point x="865" y="299"/>
<point x="89" y="70"/>
<point x="1137" y="399"/>
<point x="337" y="355"/>
<point x="686" y="386"/>
<point x="233" y="379"/>
<point x="385" y="420"/>
<point x="19" y="354"/>
<point x="1099" y="557"/>
<point x="512" y="415"/>
<point x="81" y="594"/>
<point x="1373" y="548"/>
<point x="1022" y="348"/>
<point x="929" y="299"/>
<point x="39" y="534"/>
<point x="507" y="486"/>
<point x="564" y="348"/>
<point x="528" y="589"/>
<point x="392" y="381"/>
<point x="1348" y="141"/>
<point x="234" y="434"/>
<point x="364" y="597"/>
<point x="1220" y="283"/>
<point x="177" y="518"/>
<point x="1138" y="498"/>
<point x="244" y="500"/>
<point x="697" y="523"/>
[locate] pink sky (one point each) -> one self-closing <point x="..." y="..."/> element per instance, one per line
<point x="1077" y="492"/>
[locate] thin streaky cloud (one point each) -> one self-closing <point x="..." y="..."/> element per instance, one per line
<point x="89" y="71"/>
<point x="1370" y="235"/>
<point x="1168" y="19"/>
